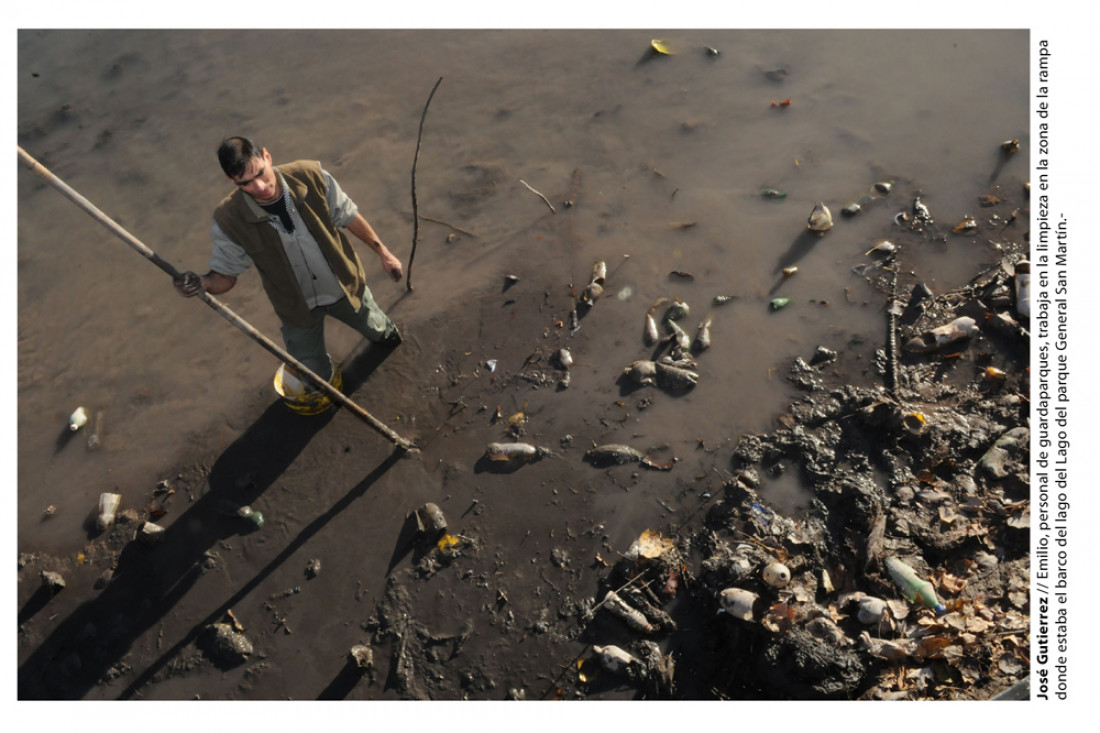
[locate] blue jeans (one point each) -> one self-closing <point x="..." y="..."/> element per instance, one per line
<point x="307" y="345"/>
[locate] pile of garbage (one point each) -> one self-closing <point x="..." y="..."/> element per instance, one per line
<point x="908" y="576"/>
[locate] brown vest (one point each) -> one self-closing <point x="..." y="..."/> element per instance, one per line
<point x="262" y="243"/>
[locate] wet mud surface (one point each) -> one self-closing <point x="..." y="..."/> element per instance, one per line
<point x="827" y="435"/>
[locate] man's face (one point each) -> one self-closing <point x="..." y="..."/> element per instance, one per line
<point x="259" y="179"/>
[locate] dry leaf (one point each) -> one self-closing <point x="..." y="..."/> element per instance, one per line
<point x="651" y="544"/>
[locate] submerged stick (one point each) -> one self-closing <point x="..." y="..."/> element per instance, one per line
<point x="416" y="216"/>
<point x="90" y="209"/>
<point x="552" y="209"/>
<point x="892" y="337"/>
<point x="449" y="224"/>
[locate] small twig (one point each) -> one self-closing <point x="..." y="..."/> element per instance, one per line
<point x="416" y="217"/>
<point x="622" y="587"/>
<point x="449" y="224"/>
<point x="552" y="209"/>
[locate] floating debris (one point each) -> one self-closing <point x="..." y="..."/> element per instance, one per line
<point x="617" y="454"/>
<point x="642" y="371"/>
<point x="514" y="452"/>
<point x="773" y="193"/>
<point x="777" y="303"/>
<point x="785" y="103"/>
<point x="150" y="533"/>
<point x="680" y="274"/>
<point x="651" y="334"/>
<point x="591" y="293"/>
<point x="313" y="567"/>
<point x="885" y="247"/>
<point x="599" y="272"/>
<point x="869" y="196"/>
<point x="108" y="507"/>
<point x="95" y="436"/>
<point x="361" y="657"/>
<point x="660" y="47"/>
<point x="247" y="512"/>
<point x="702" y="335"/>
<point x="78" y="419"/>
<point x="788" y="271"/>
<point x="1011" y="146"/>
<point x="821" y="219"/>
<point x="966" y="226"/>
<point x="678" y="310"/>
<point x="430" y="520"/>
<point x="594" y="289"/>
<point x="711" y="51"/>
<point x="678" y="335"/>
<point x="723" y="299"/>
<point x="921" y="212"/>
<point x="52" y="581"/>
<point x="613" y="453"/>
<point x="674" y="377"/>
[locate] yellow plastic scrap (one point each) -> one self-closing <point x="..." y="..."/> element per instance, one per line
<point x="661" y="47"/>
<point x="446" y="543"/>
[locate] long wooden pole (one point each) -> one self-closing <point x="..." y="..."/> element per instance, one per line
<point x="222" y="309"/>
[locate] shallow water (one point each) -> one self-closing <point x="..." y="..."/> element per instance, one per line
<point x="131" y="118"/>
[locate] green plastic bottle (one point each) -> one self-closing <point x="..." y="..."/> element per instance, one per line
<point x="912" y="587"/>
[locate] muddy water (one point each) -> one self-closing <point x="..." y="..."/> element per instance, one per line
<point x="130" y="119"/>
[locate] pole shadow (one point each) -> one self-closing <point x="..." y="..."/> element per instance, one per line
<point x="148" y="581"/>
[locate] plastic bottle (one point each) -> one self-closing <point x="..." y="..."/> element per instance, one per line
<point x="95" y="438"/>
<point x="1023" y="288"/>
<point x="108" y="506"/>
<point x="247" y="512"/>
<point x="912" y="587"/>
<point x="77" y="419"/>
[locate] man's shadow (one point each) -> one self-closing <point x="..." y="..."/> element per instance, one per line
<point x="149" y="580"/>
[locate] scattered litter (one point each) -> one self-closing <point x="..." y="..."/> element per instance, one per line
<point x="913" y="589"/>
<point x="821" y="219"/>
<point x="78" y="419"/>
<point x="108" y="507"/>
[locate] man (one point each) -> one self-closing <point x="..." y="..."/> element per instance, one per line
<point x="287" y="222"/>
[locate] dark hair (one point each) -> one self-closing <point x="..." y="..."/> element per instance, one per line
<point x="234" y="154"/>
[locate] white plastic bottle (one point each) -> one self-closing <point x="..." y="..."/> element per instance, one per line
<point x="1023" y="288"/>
